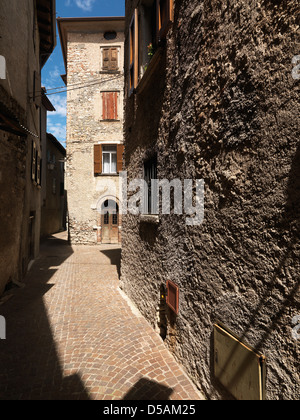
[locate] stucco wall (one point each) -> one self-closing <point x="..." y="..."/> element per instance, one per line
<point x="224" y="108"/>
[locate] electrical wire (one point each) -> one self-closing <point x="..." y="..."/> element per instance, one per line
<point x="89" y="84"/>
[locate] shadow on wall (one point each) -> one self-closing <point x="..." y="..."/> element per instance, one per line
<point x="289" y="222"/>
<point x="35" y="373"/>
<point x="146" y="390"/>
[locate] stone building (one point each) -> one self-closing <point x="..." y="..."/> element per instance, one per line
<point x="210" y="95"/>
<point x="93" y="50"/>
<point x="28" y="37"/>
<point x="53" y="206"/>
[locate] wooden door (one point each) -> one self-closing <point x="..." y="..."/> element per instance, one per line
<point x="110" y="223"/>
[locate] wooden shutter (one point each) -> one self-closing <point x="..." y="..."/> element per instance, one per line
<point x="106" y="55"/>
<point x="97" y="159"/>
<point x="134" y="51"/>
<point x="114" y="59"/>
<point x="173" y="296"/>
<point x="110" y="59"/>
<point x="110" y="105"/>
<point x="33" y="161"/>
<point x="38" y="169"/>
<point x="120" y="152"/>
<point x="164" y="17"/>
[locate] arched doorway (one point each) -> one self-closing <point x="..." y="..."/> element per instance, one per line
<point x="110" y="222"/>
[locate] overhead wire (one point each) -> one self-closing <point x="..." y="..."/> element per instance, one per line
<point x="79" y="86"/>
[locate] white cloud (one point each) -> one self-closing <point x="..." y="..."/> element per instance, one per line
<point x="85" y="5"/>
<point x="55" y="73"/>
<point x="58" y="130"/>
<point x="60" y="104"/>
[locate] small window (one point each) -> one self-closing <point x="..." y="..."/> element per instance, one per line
<point x="106" y="218"/>
<point x="54" y="186"/>
<point x="115" y="219"/>
<point x="109" y="156"/>
<point x="150" y="172"/>
<point x="108" y="159"/>
<point x="33" y="161"/>
<point x="110" y="36"/>
<point x="110" y="59"/>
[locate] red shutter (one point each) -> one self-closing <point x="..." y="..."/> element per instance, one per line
<point x="110" y="105"/>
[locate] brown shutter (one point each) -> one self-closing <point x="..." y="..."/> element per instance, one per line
<point x="113" y="59"/>
<point x="97" y="159"/>
<point x="106" y="55"/>
<point x="120" y="152"/>
<point x="33" y="161"/>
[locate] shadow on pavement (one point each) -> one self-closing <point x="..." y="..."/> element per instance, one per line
<point x="115" y="257"/>
<point x="146" y="390"/>
<point x="30" y="365"/>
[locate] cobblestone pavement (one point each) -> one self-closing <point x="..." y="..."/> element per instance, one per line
<point x="71" y="334"/>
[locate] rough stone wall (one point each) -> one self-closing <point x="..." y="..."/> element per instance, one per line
<point x="19" y="196"/>
<point x="226" y="111"/>
<point x="85" y="129"/>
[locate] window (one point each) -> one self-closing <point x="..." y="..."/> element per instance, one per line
<point x="54" y="186"/>
<point x="164" y="12"/>
<point x="108" y="159"/>
<point x="110" y="36"/>
<point x="148" y="28"/>
<point x="110" y="106"/>
<point x="33" y="161"/>
<point x="150" y="172"/>
<point x="173" y="296"/>
<point x="110" y="59"/>
<point x="38" y="169"/>
<point x="133" y="52"/>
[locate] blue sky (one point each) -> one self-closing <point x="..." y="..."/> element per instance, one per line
<point x="55" y="65"/>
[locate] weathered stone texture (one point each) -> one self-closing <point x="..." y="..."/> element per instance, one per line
<point x="85" y="127"/>
<point x="225" y="109"/>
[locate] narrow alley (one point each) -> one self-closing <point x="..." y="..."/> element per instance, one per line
<point x="72" y="335"/>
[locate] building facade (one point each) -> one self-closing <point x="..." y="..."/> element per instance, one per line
<point x="53" y="206"/>
<point x="23" y="50"/>
<point x="93" y="50"/>
<point x="210" y="95"/>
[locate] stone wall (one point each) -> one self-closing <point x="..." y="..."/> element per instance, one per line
<point x="222" y="106"/>
<point x="19" y="196"/>
<point x="85" y="129"/>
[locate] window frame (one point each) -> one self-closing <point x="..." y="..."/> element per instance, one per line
<point x="110" y="48"/>
<point x="134" y="52"/>
<point x="110" y="153"/>
<point x="98" y="158"/>
<point x="163" y="27"/>
<point x="150" y="173"/>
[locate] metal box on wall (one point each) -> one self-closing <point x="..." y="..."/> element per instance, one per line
<point x="239" y="368"/>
